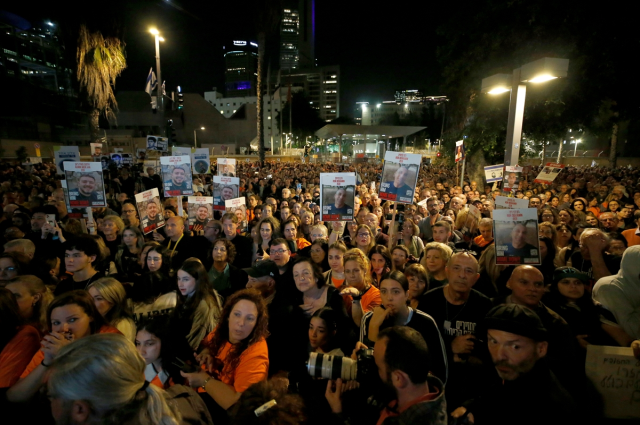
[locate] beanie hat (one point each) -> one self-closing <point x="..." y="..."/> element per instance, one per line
<point x="516" y="319"/>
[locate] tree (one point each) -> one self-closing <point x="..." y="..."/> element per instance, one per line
<point x="21" y="154"/>
<point x="100" y="61"/>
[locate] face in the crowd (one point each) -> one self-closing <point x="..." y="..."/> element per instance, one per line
<point x="571" y="288"/>
<point x="545" y="232"/>
<point x="230" y="228"/>
<point x="219" y="252"/>
<point x="340" y="198"/>
<point x="317" y="254"/>
<point x="178" y="176"/>
<point x="103" y="306"/>
<point x="303" y="276"/>
<point x="8" y="269"/>
<point x="265" y="232"/>
<point x="290" y="232"/>
<point x="462" y="274"/>
<point x="280" y="254"/>
<point x="487" y="232"/>
<point x="242" y="320"/>
<point x="76" y="261"/>
<point x="296" y="208"/>
<point x="263" y="284"/>
<point x="353" y="273"/>
<point x="513" y="355"/>
<point x="203" y="213"/>
<point x="227" y="193"/>
<point x="186" y="283"/>
<point x="168" y="214"/>
<point x="363" y="237"/>
<point x="578" y="206"/>
<point x="319" y="335"/>
<point x="371" y="220"/>
<point x="86" y="185"/>
<point x="252" y="202"/>
<point x="266" y="211"/>
<point x="149" y="346"/>
<point x="519" y="236"/>
<point x="435" y="261"/>
<point x="72" y="321"/>
<point x="37" y="221"/>
<point x="378" y="263"/>
<point x="608" y="221"/>
<point x="174" y="227"/>
<point x="25" y="300"/>
<point x="285" y="213"/>
<point x="109" y="228"/>
<point x="616" y="247"/>
<point x="399" y="258"/>
<point x="416" y="286"/>
<point x="547" y="215"/>
<point x="394" y="298"/>
<point x="534" y="203"/>
<point x="614" y="206"/>
<point x="440" y="234"/>
<point x="400" y="176"/>
<point x="154" y="260"/>
<point x="336" y="260"/>
<point x="527" y="286"/>
<point x="129" y="211"/>
<point x="591" y="220"/>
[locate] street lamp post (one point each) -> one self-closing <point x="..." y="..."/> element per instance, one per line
<point x="159" y="93"/>
<point x="575" y="147"/>
<point x="195" y="138"/>
<point x="538" y="71"/>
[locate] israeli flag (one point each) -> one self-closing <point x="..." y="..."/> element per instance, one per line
<point x="152" y="82"/>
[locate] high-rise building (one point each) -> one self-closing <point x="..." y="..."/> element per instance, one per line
<point x="321" y="85"/>
<point x="297" y="35"/>
<point x="241" y="68"/>
<point x="404" y="105"/>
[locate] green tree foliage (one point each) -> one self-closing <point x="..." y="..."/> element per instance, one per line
<point x="21" y="154"/>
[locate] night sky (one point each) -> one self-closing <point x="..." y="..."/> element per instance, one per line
<point x="378" y="50"/>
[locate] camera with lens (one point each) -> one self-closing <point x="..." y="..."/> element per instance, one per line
<point x="326" y="366"/>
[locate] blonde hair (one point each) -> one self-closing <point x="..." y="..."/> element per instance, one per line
<point x="118" y="393"/>
<point x="358" y="256"/>
<point x="463" y="217"/>
<point x="34" y="285"/>
<point x="116" y="220"/>
<point x="445" y="251"/>
<point x="113" y="292"/>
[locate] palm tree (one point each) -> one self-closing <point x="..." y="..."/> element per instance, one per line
<point x="100" y="61"/>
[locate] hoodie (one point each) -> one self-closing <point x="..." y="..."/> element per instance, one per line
<point x="620" y="293"/>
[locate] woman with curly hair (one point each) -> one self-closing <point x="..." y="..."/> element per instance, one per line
<point x="267" y="229"/>
<point x="381" y="264"/>
<point x="235" y="355"/>
<point x="223" y="275"/>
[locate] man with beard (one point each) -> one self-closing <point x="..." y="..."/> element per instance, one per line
<point x="153" y="218"/>
<point x="202" y="218"/>
<point x="398" y="186"/>
<point x="86" y="191"/>
<point x="178" y="184"/>
<point x="226" y="194"/>
<point x="517" y="342"/>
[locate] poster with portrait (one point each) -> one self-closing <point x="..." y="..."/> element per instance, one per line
<point x="503" y="202"/>
<point x="71" y="212"/>
<point x="516" y="235"/>
<point x="96" y="149"/>
<point x="157" y="143"/>
<point x="459" y="154"/>
<point x="512" y="176"/>
<point x="238" y="206"/>
<point x="116" y="158"/>
<point x="176" y="175"/>
<point x="399" y="176"/>
<point x="150" y="210"/>
<point x="152" y="163"/>
<point x="493" y="173"/>
<point x="200" y="212"/>
<point x="227" y="167"/>
<point x="549" y="173"/>
<point x="224" y="189"/>
<point x="337" y="193"/>
<point x="201" y="161"/>
<point x="85" y="184"/>
<point x="64" y="154"/>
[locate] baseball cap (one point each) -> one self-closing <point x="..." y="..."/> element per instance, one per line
<point x="516" y="319"/>
<point x="262" y="269"/>
<point x="563" y="272"/>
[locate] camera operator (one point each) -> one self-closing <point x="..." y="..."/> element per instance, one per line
<point x="402" y="359"/>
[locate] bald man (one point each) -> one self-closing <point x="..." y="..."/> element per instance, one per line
<point x="182" y="246"/>
<point x="518" y="246"/>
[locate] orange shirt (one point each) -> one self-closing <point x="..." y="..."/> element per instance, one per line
<point x="337" y="282"/>
<point x="39" y="356"/>
<point x="631" y="237"/>
<point x="302" y="243"/>
<point x="16" y="354"/>
<point x="370" y="300"/>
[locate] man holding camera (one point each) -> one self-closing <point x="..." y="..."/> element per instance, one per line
<point x="402" y="358"/>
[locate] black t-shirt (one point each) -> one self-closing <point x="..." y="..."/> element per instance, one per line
<point x="611" y="261"/>
<point x="244" y="252"/>
<point x="455" y="320"/>
<point x="71" y="285"/>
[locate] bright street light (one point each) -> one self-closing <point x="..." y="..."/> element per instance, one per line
<point x="538" y="71"/>
<point x="154" y="31"/>
<point x="159" y="94"/>
<point x="195" y="139"/>
<point x="575" y="148"/>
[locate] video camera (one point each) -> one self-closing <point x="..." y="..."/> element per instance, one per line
<point x="326" y="366"/>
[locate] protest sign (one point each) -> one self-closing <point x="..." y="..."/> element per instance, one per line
<point x="512" y="180"/>
<point x="615" y="373"/>
<point x="200" y="212"/>
<point x="150" y="210"/>
<point x="226" y="167"/>
<point x="337" y="193"/>
<point x="141" y="154"/>
<point x="71" y="212"/>
<point x="157" y="143"/>
<point x="64" y="154"/>
<point x="85" y="184"/>
<point x="493" y="173"/>
<point x="96" y="149"/>
<point x="201" y="162"/>
<point x="176" y="175"/>
<point x="238" y="207"/>
<point x="116" y="158"/>
<point x="224" y="189"/>
<point x="516" y="234"/>
<point x="459" y="156"/>
<point x="503" y="202"/>
<point x="549" y="173"/>
<point x="399" y="176"/>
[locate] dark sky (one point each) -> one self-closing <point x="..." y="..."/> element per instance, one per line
<point x="379" y="49"/>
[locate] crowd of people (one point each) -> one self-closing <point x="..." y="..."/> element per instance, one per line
<point x="399" y="316"/>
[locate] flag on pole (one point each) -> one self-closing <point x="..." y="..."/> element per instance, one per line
<point x="164" y="92"/>
<point x="152" y="82"/>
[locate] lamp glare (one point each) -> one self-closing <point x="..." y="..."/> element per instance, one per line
<point x="499" y="90"/>
<point x="542" y="78"/>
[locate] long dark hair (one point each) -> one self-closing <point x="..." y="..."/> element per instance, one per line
<point x="9" y="317"/>
<point x="221" y="334"/>
<point x="204" y="290"/>
<point x="328" y="315"/>
<point x="153" y="284"/>
<point x="83" y="300"/>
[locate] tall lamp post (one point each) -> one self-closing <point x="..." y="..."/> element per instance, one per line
<point x="158" y="39"/>
<point x="195" y="139"/>
<point x="575" y="148"/>
<point x="538" y="71"/>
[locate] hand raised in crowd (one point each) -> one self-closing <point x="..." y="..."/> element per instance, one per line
<point x="52" y="343"/>
<point x="157" y="236"/>
<point x="381" y="314"/>
<point x="595" y="242"/>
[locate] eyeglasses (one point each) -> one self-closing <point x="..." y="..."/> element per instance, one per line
<point x="278" y="251"/>
<point x="8" y="269"/>
<point x="363" y="235"/>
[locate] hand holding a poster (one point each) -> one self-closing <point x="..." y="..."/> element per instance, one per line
<point x="399" y="176"/>
<point x="549" y="173"/>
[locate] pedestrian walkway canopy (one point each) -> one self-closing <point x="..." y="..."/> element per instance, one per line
<point x="366" y="132"/>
